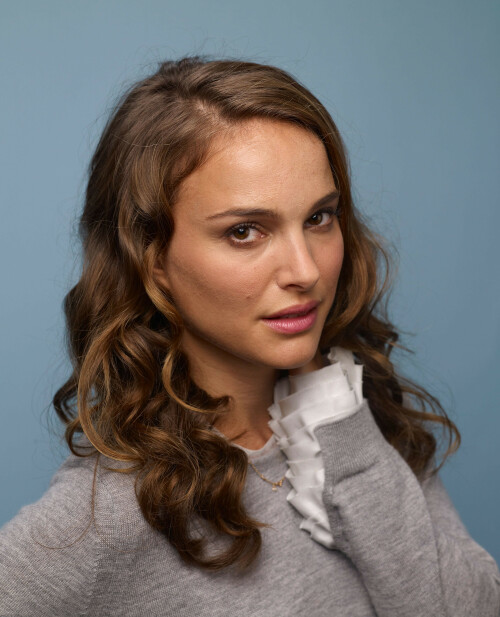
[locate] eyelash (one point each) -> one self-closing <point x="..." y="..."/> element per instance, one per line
<point x="252" y="225"/>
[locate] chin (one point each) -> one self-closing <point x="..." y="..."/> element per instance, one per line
<point x="295" y="355"/>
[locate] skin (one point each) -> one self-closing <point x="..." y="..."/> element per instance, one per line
<point x="225" y="281"/>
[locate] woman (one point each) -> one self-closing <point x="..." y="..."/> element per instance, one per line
<point x="241" y="442"/>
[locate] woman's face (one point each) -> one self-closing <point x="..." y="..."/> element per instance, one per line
<point x="252" y="239"/>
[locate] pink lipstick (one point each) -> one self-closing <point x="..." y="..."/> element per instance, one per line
<point x="294" y="319"/>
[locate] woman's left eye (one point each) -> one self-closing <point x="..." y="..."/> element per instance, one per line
<point x="322" y="217"/>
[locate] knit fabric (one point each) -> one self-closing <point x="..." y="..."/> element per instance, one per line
<point x="398" y="549"/>
<point x="334" y="392"/>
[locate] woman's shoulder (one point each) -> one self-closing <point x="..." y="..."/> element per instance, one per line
<point x="88" y="500"/>
<point x="57" y="553"/>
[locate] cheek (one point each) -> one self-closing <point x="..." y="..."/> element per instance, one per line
<point x="208" y="280"/>
<point x="330" y="262"/>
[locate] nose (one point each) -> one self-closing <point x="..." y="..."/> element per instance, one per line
<point x="296" y="264"/>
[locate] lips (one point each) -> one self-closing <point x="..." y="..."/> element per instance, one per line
<point x="294" y="319"/>
<point x="297" y="310"/>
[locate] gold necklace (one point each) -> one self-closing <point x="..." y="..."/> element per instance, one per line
<point x="275" y="485"/>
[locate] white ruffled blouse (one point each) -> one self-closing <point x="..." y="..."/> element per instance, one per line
<point x="302" y="402"/>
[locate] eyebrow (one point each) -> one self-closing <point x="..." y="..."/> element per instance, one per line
<point x="270" y="213"/>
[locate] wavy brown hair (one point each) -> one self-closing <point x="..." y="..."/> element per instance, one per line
<point x="130" y="391"/>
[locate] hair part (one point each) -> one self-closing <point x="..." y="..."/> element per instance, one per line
<point x="130" y="391"/>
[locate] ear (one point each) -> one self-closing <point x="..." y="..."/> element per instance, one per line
<point x="159" y="270"/>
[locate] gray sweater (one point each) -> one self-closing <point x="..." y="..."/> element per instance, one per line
<point x="400" y="547"/>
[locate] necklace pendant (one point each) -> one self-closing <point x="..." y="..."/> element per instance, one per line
<point x="274" y="485"/>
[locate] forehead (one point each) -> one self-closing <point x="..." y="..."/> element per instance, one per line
<point x="264" y="160"/>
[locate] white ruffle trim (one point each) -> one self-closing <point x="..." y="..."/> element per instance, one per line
<point x="302" y="402"/>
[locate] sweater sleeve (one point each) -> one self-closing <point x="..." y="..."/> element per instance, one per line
<point x="359" y="496"/>
<point x="405" y="538"/>
<point x="49" y="552"/>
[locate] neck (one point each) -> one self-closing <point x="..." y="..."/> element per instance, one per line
<point x="250" y="386"/>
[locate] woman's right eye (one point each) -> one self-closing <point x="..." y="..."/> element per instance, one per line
<point x="242" y="233"/>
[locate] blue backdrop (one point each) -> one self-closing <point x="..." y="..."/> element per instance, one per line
<point x="414" y="88"/>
